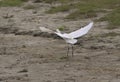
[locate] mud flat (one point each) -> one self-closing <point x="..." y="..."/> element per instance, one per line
<point x="27" y="56"/>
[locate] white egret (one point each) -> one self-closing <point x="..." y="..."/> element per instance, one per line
<point x="70" y="38"/>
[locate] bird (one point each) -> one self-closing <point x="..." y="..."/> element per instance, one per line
<point x="71" y="38"/>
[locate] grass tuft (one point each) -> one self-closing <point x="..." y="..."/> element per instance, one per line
<point x="62" y="28"/>
<point x="81" y="15"/>
<point x="62" y="8"/>
<point x="6" y="3"/>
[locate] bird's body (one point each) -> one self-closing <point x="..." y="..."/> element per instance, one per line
<point x="67" y="38"/>
<point x="71" y="37"/>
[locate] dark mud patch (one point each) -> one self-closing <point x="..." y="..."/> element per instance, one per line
<point x="8" y="29"/>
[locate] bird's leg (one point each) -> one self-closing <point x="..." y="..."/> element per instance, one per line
<point x="72" y="50"/>
<point x="68" y="50"/>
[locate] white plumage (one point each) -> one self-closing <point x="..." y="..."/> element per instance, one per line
<point x="71" y="37"/>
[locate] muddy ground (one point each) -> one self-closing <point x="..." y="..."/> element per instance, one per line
<point x="25" y="57"/>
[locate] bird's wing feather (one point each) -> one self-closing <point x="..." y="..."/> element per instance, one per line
<point x="66" y="38"/>
<point x="59" y="34"/>
<point x="81" y="32"/>
<point x="63" y="35"/>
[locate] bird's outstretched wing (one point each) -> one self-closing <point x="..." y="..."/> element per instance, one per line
<point x="81" y="32"/>
<point x="66" y="38"/>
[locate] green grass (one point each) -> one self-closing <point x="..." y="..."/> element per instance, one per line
<point x="82" y="9"/>
<point x="85" y="5"/>
<point x="62" y="28"/>
<point x="5" y="3"/>
<point x="56" y="1"/>
<point x="61" y="8"/>
<point x="88" y="9"/>
<point x="48" y="1"/>
<point x="113" y="18"/>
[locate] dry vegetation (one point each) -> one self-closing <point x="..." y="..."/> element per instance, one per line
<point x="89" y="9"/>
<point x="29" y="55"/>
<point x="82" y="9"/>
